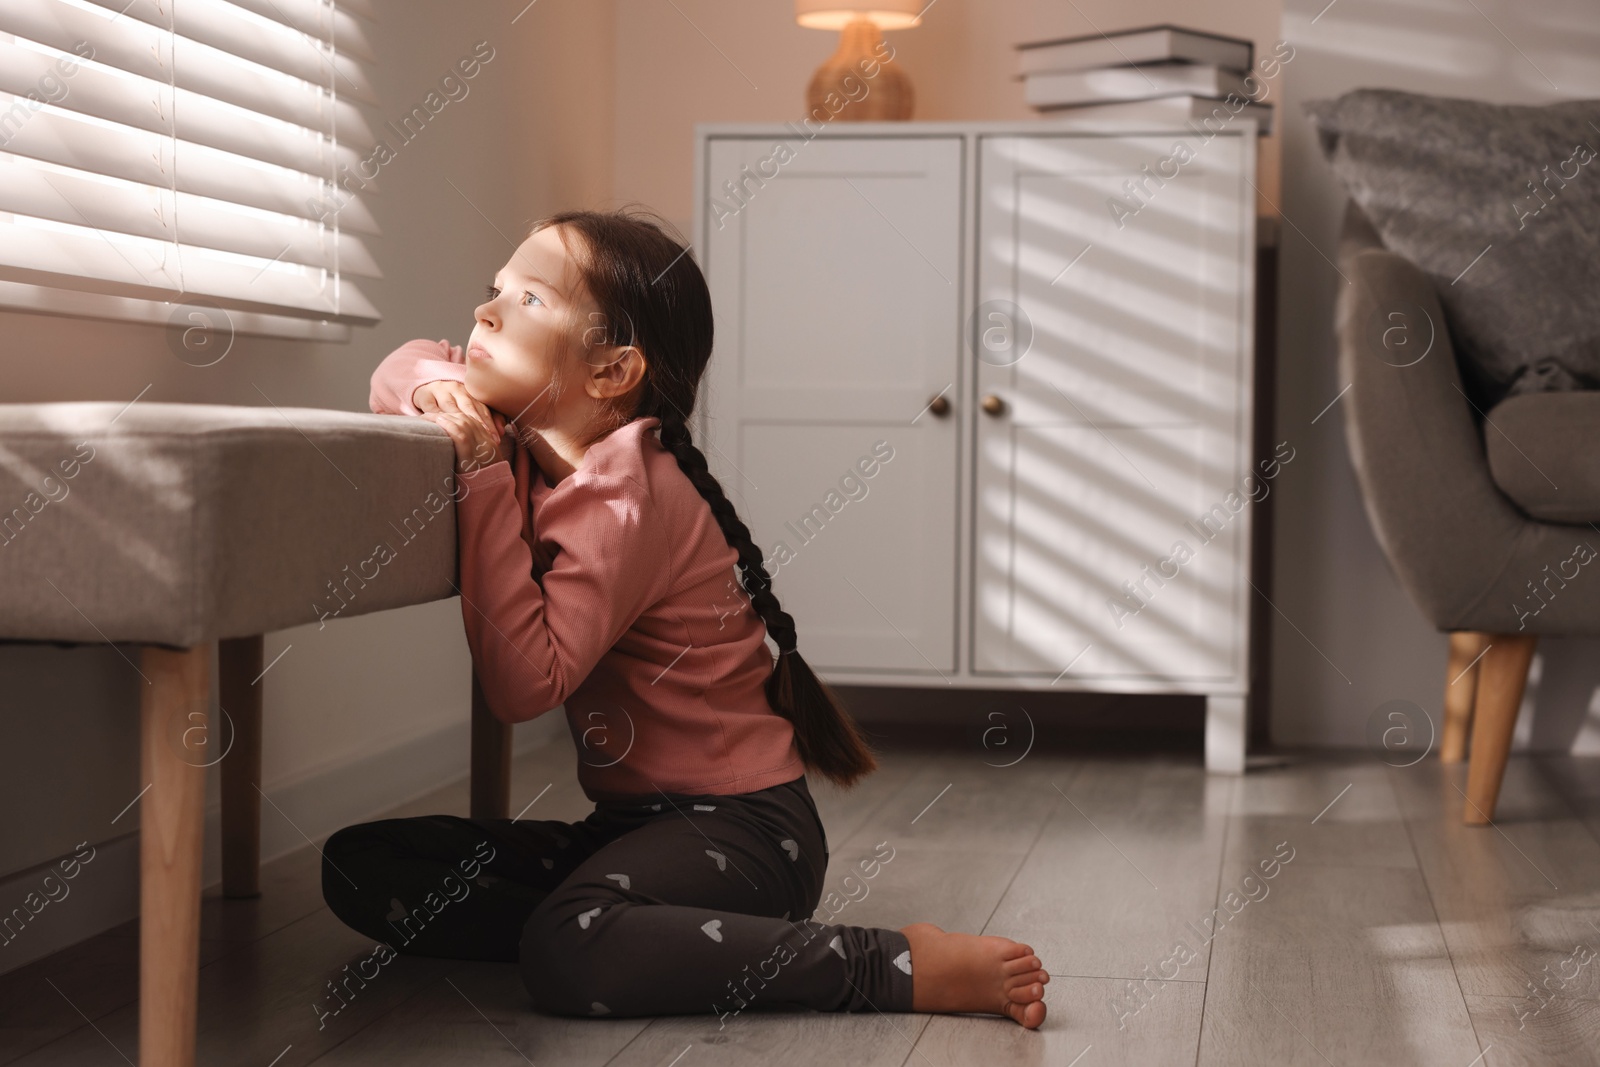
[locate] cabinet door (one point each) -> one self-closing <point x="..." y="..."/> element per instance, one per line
<point x="835" y="278"/>
<point x="1125" y="420"/>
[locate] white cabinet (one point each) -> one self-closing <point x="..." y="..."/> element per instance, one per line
<point x="982" y="392"/>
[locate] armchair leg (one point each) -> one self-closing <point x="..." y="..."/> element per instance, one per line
<point x="1460" y="687"/>
<point x="239" y="662"/>
<point x="1502" y="675"/>
<point x="490" y="789"/>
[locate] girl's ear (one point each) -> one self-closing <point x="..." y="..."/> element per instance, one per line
<point x="623" y="368"/>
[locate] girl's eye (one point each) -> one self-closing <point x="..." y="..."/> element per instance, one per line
<point x="491" y="291"/>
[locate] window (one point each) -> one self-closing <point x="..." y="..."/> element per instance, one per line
<point x="162" y="155"/>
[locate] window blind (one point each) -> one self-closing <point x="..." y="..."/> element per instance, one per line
<point x="157" y="154"/>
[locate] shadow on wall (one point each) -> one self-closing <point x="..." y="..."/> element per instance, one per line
<point x="1347" y="639"/>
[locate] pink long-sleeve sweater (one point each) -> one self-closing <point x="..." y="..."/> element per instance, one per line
<point x="615" y="593"/>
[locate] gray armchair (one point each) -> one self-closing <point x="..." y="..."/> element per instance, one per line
<point x="1486" y="518"/>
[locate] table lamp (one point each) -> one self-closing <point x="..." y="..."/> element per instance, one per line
<point x="871" y="87"/>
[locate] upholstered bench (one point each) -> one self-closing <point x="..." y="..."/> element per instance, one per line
<point x="189" y="531"/>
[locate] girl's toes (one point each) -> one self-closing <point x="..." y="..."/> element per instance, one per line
<point x="1029" y="1015"/>
<point x="1021" y="980"/>
<point x="1026" y="993"/>
<point x="1022" y="965"/>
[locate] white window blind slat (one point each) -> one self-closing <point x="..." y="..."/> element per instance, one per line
<point x="144" y="104"/>
<point x="362" y="8"/>
<point x="125" y="207"/>
<point x="41" y="299"/>
<point x="75" y="141"/>
<point x="246" y="34"/>
<point x="154" y="53"/>
<point x="40" y="252"/>
<point x="308" y="16"/>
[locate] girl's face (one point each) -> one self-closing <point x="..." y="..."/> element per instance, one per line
<point x="523" y="346"/>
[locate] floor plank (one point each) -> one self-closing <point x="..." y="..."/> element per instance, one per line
<point x="949" y="802"/>
<point x="479" y="1013"/>
<point x="1326" y="962"/>
<point x="845" y="811"/>
<point x="1079" y="1030"/>
<point x="1577" y="779"/>
<point x="1127" y="859"/>
<point x="1518" y="1032"/>
<point x="839" y="1039"/>
<point x="1515" y="897"/>
<point x="49" y="998"/>
<point x="264" y="999"/>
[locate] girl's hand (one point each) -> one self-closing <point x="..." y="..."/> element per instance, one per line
<point x="477" y="446"/>
<point x="450" y="396"/>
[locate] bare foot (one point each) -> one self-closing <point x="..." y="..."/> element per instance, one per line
<point x="974" y="972"/>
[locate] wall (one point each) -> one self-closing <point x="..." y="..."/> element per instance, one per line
<point x="1348" y="639"/>
<point x="735" y="61"/>
<point x="372" y="709"/>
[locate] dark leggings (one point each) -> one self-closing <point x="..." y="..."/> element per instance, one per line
<point x="688" y="904"/>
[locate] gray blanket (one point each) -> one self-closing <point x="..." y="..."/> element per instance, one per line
<point x="1500" y="206"/>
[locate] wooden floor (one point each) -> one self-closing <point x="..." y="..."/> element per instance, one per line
<point x="1389" y="933"/>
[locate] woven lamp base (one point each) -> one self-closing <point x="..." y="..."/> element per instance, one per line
<point x="856" y="84"/>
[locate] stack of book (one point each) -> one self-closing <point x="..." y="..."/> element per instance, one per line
<point x="1156" y="73"/>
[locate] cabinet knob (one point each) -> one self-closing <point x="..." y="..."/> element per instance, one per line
<point x="993" y="405"/>
<point x="939" y="405"/>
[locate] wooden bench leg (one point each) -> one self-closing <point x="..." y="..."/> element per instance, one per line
<point x="239" y="662"/>
<point x="1460" y="689"/>
<point x="491" y="760"/>
<point x="1502" y="674"/>
<point x="172" y="708"/>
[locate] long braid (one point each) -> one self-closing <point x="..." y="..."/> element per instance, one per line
<point x="757" y="583"/>
<point x="824" y="732"/>
<point x="652" y="295"/>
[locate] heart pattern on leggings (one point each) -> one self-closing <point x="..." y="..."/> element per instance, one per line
<point x="597" y="1008"/>
<point x="549" y="864"/>
<point x="903" y="961"/>
<point x="397" y="910"/>
<point x="713" y="929"/>
<point x="834" y="944"/>
<point x="621" y="879"/>
<point x="705" y="807"/>
<point x="791" y="848"/>
<point x="722" y="861"/>
<point x="561" y="842"/>
<point x="586" y="917"/>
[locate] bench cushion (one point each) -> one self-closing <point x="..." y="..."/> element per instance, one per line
<point x="174" y="524"/>
<point x="1544" y="453"/>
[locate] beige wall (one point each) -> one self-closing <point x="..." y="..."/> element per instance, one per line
<point x="737" y="60"/>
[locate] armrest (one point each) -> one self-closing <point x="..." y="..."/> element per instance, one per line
<point x="1446" y="529"/>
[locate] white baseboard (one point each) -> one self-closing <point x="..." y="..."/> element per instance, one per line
<point x="105" y="891"/>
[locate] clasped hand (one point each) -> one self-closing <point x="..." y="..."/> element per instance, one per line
<point x="477" y="431"/>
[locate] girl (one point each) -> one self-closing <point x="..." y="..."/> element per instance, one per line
<point x="595" y="564"/>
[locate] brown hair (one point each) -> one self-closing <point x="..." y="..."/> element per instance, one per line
<point x="651" y="293"/>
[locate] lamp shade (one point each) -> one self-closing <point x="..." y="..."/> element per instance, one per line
<point x="836" y="14"/>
